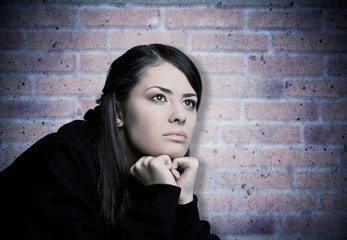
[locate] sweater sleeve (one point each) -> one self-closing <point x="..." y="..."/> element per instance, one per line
<point x="188" y="224"/>
<point x="155" y="218"/>
<point x="160" y="217"/>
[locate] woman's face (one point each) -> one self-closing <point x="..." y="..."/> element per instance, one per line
<point x="160" y="114"/>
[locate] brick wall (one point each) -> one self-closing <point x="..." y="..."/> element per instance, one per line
<point x="272" y="132"/>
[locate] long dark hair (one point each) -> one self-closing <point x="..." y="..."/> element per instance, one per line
<point x="123" y="75"/>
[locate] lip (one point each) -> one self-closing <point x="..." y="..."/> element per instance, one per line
<point x="178" y="136"/>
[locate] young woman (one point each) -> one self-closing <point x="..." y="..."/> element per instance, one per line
<point x="124" y="172"/>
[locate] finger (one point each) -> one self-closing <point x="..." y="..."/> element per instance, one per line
<point x="186" y="162"/>
<point x="174" y="164"/>
<point x="176" y="174"/>
<point x="134" y="169"/>
<point x="181" y="164"/>
<point x="146" y="160"/>
<point x="139" y="162"/>
<point x="166" y="160"/>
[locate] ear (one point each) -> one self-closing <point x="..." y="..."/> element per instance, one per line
<point x="120" y="122"/>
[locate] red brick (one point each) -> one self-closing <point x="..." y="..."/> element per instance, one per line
<point x="36" y="108"/>
<point x="127" y="39"/>
<point x="316" y="88"/>
<point x="64" y="40"/>
<point x="108" y="17"/>
<point x="334" y="4"/>
<point x="205" y="178"/>
<point x="13" y="85"/>
<point x="220" y="109"/>
<point x="241" y="87"/>
<point x="285" y="66"/>
<point x="261" y="133"/>
<point x="298" y="157"/>
<point x="334" y="111"/>
<point x="23" y="132"/>
<point x="43" y="62"/>
<point x="70" y="85"/>
<point x="322" y="180"/>
<point x="229" y="41"/>
<point x="206" y="133"/>
<point x="250" y="4"/>
<point x="11" y="40"/>
<point x="221" y="202"/>
<point x="280" y="202"/>
<point x="227" y="86"/>
<point x="334" y="202"/>
<point x="326" y="134"/>
<point x="37" y="17"/>
<point x="218" y="63"/>
<point x="344" y="158"/>
<point x="337" y="19"/>
<point x="226" y="156"/>
<point x="95" y="62"/>
<point x="249" y="181"/>
<point x="281" y="111"/>
<point x="284" y="20"/>
<point x="202" y="18"/>
<point x="243" y="225"/>
<point x="329" y="226"/>
<point x="316" y="42"/>
<point x="337" y="67"/>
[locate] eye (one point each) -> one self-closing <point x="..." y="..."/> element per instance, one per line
<point x="159" y="98"/>
<point x="190" y="103"/>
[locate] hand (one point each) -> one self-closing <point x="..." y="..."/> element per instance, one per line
<point x="153" y="170"/>
<point x="184" y="170"/>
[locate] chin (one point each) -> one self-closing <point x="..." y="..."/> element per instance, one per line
<point x="173" y="154"/>
<point x="179" y="154"/>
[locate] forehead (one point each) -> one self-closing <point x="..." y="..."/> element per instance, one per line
<point x="165" y="75"/>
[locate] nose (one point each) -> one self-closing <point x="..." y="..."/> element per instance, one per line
<point x="178" y="115"/>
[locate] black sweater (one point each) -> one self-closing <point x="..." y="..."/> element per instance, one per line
<point x="49" y="192"/>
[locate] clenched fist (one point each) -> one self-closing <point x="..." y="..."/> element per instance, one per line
<point x="180" y="172"/>
<point x="187" y="167"/>
<point x="153" y="170"/>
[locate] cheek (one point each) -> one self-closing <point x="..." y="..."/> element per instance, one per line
<point x="141" y="126"/>
<point x="193" y="120"/>
<point x="142" y="119"/>
<point x="144" y="140"/>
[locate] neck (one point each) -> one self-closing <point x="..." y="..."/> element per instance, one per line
<point x="131" y="154"/>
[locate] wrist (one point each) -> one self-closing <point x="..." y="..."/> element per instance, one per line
<point x="185" y="199"/>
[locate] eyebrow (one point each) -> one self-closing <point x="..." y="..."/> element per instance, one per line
<point x="168" y="91"/>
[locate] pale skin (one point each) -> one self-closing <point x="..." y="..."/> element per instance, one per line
<point x="157" y="125"/>
<point x="180" y="172"/>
